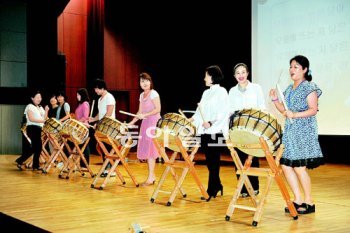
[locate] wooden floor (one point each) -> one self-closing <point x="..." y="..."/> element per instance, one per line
<point x="59" y="205"/>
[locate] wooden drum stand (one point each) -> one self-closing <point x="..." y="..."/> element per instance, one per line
<point x="114" y="156"/>
<point x="187" y="166"/>
<point x="272" y="173"/>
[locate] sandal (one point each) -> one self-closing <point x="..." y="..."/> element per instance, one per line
<point x="296" y="205"/>
<point x="306" y="209"/>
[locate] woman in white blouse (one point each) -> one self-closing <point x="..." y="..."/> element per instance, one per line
<point x="211" y="120"/>
<point x="35" y="115"/>
<point x="246" y="95"/>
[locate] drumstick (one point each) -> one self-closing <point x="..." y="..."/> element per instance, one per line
<point x="200" y="111"/>
<point x="279" y="78"/>
<point x="92" y="108"/>
<point x="128" y="113"/>
<point x="189" y="111"/>
<point x="182" y="113"/>
<point x="283" y="100"/>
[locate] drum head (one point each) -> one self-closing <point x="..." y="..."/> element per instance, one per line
<point x="52" y="125"/>
<point x="172" y="126"/>
<point x="74" y="131"/>
<point x="248" y="125"/>
<point x="112" y="128"/>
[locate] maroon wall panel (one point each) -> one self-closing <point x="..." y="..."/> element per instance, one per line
<point x="72" y="26"/>
<point x="121" y="68"/>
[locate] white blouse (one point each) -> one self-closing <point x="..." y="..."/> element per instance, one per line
<point x="38" y="113"/>
<point x="252" y="97"/>
<point x="214" y="106"/>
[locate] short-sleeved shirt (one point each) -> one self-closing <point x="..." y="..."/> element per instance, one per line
<point x="103" y="102"/>
<point x="38" y="113"/>
<point x="66" y="108"/>
<point x="153" y="94"/>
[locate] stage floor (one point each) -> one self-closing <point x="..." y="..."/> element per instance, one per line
<point x="59" y="205"/>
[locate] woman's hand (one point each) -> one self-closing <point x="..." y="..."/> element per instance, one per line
<point x="273" y="94"/>
<point x="206" y="125"/>
<point x="289" y="114"/>
<point x="141" y="116"/>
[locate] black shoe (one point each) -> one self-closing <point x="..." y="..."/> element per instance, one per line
<point x="21" y="167"/>
<point x="306" y="209"/>
<point x="37" y="168"/>
<point x="210" y="196"/>
<point x="296" y="205"/>
<point x="222" y="191"/>
<point x="104" y="173"/>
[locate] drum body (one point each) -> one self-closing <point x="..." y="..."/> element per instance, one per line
<point x="112" y="128"/>
<point x="75" y="131"/>
<point x="53" y="127"/>
<point x="248" y="125"/>
<point x="173" y="125"/>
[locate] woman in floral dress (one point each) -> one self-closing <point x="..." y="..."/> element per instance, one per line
<point x="300" y="136"/>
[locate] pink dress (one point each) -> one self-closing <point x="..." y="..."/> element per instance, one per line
<point x="145" y="147"/>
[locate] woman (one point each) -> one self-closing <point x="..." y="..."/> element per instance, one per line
<point x="149" y="113"/>
<point x="63" y="110"/>
<point x="300" y="137"/>
<point x="51" y="110"/>
<point x="35" y="115"/>
<point x="246" y="95"/>
<point x="82" y="114"/>
<point x="52" y="107"/>
<point x="211" y="120"/>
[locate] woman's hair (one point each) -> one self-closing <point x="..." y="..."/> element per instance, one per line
<point x="238" y="65"/>
<point x="216" y="74"/>
<point x="148" y="77"/>
<point x="304" y="62"/>
<point x="84" y="95"/>
<point x="52" y="96"/>
<point x="33" y="93"/>
<point x="61" y="93"/>
<point x="100" y="84"/>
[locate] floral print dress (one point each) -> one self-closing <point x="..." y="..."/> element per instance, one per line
<point x="300" y="137"/>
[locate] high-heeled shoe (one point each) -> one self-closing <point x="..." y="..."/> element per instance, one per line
<point x="222" y="191"/>
<point x="210" y="196"/>
<point x="215" y="194"/>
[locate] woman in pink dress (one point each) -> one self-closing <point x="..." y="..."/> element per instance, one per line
<point x="149" y="113"/>
<point x="82" y="114"/>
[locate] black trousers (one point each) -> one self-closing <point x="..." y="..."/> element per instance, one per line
<point x="87" y="148"/>
<point x="34" y="133"/>
<point x="212" y="157"/>
<point x="254" y="180"/>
